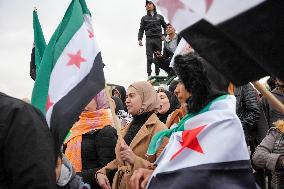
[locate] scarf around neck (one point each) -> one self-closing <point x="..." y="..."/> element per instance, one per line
<point x="89" y="121"/>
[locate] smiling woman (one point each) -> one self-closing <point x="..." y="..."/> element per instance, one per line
<point x="142" y="102"/>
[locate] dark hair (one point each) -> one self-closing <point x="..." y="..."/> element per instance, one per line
<point x="271" y="83"/>
<point x="191" y="69"/>
<point x="151" y="2"/>
<point x="168" y="24"/>
<point x="173" y="86"/>
<point x="192" y="74"/>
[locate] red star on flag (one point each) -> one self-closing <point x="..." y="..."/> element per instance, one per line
<point x="76" y="59"/>
<point x="91" y="34"/>
<point x="208" y="4"/>
<point x="49" y="103"/>
<point x="189" y="140"/>
<point x="172" y="7"/>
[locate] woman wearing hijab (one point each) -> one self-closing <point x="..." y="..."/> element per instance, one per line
<point x="91" y="141"/>
<point x="124" y="117"/>
<point x="120" y="92"/>
<point x="169" y="103"/>
<point x="142" y="102"/>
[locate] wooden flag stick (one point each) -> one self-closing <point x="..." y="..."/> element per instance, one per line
<point x="270" y="97"/>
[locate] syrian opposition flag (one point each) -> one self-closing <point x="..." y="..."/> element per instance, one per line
<point x="38" y="46"/>
<point x="206" y="150"/>
<point x="71" y="71"/>
<point x="243" y="39"/>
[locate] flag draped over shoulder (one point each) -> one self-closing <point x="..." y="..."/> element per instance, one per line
<point x="71" y="71"/>
<point x="38" y="46"/>
<point x="241" y="38"/>
<point x="207" y="150"/>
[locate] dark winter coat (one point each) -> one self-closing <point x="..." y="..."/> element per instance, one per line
<point x="247" y="110"/>
<point x="268" y="155"/>
<point x="151" y="25"/>
<point x="270" y="113"/>
<point x="97" y="150"/>
<point x="27" y="158"/>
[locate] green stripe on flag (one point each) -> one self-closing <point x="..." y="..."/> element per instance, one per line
<point x="70" y="24"/>
<point x="39" y="41"/>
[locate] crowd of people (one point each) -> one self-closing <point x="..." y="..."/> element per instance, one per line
<point x="97" y="154"/>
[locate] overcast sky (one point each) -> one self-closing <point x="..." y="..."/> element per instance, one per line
<point x="116" y="25"/>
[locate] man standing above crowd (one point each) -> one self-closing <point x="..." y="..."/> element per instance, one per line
<point x="152" y="24"/>
<point x="170" y="44"/>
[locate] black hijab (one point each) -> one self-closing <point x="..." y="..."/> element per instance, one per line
<point x="174" y="104"/>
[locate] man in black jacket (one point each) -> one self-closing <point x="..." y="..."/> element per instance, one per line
<point x="170" y="44"/>
<point x="248" y="111"/>
<point x="151" y="24"/>
<point x="27" y="158"/>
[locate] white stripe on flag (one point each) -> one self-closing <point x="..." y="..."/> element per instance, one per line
<point x="65" y="77"/>
<point x="222" y="140"/>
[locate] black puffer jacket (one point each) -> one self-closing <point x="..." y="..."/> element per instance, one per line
<point x="97" y="150"/>
<point x="247" y="109"/>
<point x="151" y="25"/>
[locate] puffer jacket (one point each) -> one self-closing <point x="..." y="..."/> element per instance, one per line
<point x="269" y="155"/>
<point x="247" y="109"/>
<point x="151" y="25"/>
<point x="97" y="150"/>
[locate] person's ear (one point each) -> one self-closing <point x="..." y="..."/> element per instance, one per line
<point x="231" y="88"/>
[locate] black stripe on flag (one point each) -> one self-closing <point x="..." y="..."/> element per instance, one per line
<point x="67" y="110"/>
<point x="246" y="47"/>
<point x="226" y="175"/>
<point x="32" y="64"/>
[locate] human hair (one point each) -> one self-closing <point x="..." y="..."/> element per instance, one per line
<point x="201" y="79"/>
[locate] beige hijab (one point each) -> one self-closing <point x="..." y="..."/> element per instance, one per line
<point x="150" y="99"/>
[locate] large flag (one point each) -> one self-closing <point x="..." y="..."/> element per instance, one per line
<point x="38" y="46"/>
<point x="205" y="151"/>
<point x="243" y="39"/>
<point x="71" y="71"/>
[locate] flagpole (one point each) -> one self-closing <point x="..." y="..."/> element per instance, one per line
<point x="271" y="98"/>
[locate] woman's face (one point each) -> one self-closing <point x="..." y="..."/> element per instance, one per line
<point x="181" y="93"/>
<point x="133" y="101"/>
<point x="116" y="93"/>
<point x="165" y="103"/>
<point x="92" y="106"/>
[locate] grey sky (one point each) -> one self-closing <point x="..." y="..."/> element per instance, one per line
<point x="116" y="24"/>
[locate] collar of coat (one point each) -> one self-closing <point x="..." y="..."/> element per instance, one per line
<point x="145" y="130"/>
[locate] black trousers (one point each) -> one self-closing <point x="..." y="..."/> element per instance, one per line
<point x="164" y="64"/>
<point x="153" y="44"/>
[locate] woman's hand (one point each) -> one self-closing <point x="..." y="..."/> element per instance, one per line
<point x="126" y="153"/>
<point x="103" y="181"/>
<point x="58" y="168"/>
<point x="140" y="178"/>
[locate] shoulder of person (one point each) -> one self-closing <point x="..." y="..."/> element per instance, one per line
<point x="155" y="121"/>
<point x="107" y="131"/>
<point x="273" y="131"/>
<point x="160" y="16"/>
